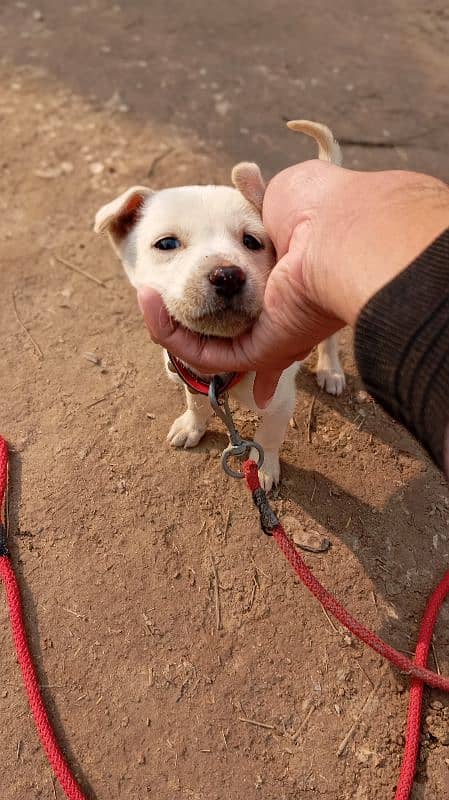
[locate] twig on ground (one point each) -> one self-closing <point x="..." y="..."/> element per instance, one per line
<point x="254" y="589"/>
<point x="356" y="661"/>
<point x="216" y="595"/>
<point x="310" y="419"/>
<point x="257" y="724"/>
<point x="333" y="626"/>
<point x="23" y="326"/>
<point x="104" y="397"/>
<point x="226" y="527"/>
<point x="80" y="271"/>
<point x="344" y="743"/>
<point x="303" y="723"/>
<point x="7" y="508"/>
<point x="75" y="613"/>
<point x="435" y="658"/>
<point x="157" y="160"/>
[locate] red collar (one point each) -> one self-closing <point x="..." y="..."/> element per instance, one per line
<point x="199" y="384"/>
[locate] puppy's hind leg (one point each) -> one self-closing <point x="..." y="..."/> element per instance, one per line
<point x="329" y="372"/>
<point x="190" y="427"/>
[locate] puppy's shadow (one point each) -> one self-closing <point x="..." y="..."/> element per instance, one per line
<point x="390" y="543"/>
<point x="368" y="414"/>
<point x="212" y="440"/>
<point x="31" y="620"/>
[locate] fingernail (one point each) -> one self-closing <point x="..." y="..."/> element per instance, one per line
<point x="144" y="295"/>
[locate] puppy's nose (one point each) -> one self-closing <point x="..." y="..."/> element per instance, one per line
<point x="228" y="281"/>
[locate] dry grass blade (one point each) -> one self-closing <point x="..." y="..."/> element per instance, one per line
<point x="310" y="419"/>
<point x="23" y="326"/>
<point x="216" y="595"/>
<point x="435" y="658"/>
<point x="257" y="724"/>
<point x="157" y="160"/>
<point x="80" y="271"/>
<point x="296" y="735"/>
<point x="356" y="723"/>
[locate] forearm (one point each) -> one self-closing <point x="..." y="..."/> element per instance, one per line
<point x="402" y="348"/>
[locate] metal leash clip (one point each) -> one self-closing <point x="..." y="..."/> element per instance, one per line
<point x="238" y="447"/>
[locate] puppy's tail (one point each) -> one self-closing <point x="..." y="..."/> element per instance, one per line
<point x="328" y="147"/>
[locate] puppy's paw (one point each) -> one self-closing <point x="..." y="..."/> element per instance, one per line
<point x="332" y="380"/>
<point x="186" y="431"/>
<point x="270" y="470"/>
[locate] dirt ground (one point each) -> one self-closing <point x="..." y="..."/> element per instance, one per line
<point x="119" y="542"/>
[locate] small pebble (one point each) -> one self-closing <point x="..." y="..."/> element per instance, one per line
<point x="96" y="168"/>
<point x="362" y="396"/>
<point x="94" y="359"/>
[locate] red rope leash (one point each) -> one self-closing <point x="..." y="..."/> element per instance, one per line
<point x="44" y="728"/>
<point x="416" y="668"/>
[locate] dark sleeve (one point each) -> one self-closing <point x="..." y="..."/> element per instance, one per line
<point x="402" y="347"/>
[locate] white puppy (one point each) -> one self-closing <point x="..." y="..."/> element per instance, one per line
<point x="204" y="249"/>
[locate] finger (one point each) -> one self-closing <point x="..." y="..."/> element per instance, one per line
<point x="157" y="319"/>
<point x="205" y="354"/>
<point x="265" y="385"/>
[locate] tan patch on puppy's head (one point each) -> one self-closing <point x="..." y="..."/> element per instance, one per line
<point x="247" y="178"/>
<point x="119" y="217"/>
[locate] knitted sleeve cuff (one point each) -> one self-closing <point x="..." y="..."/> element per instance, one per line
<point x="402" y="347"/>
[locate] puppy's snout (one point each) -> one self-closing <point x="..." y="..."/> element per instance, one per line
<point x="227" y="281"/>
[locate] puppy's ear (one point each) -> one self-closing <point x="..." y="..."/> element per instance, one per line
<point x="119" y="217"/>
<point x="247" y="178"/>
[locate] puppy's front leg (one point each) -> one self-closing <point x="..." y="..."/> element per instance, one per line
<point x="271" y="431"/>
<point x="329" y="372"/>
<point x="191" y="426"/>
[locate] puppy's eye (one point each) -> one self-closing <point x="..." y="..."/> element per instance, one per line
<point x="168" y="243"/>
<point x="251" y="242"/>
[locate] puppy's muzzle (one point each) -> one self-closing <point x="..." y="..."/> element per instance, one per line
<point x="227" y="281"/>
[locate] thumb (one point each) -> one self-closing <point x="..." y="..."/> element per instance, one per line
<point x="157" y="319"/>
<point x="265" y="385"/>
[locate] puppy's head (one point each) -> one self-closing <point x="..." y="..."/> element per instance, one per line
<point x="203" y="248"/>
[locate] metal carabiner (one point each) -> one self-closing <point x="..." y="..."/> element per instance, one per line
<point x="238" y="447"/>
